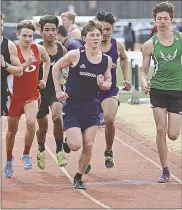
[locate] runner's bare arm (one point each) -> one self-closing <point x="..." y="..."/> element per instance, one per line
<point x="123" y="60"/>
<point x="64" y="52"/>
<point x="107" y="76"/>
<point x="62" y="63"/>
<point x="46" y="61"/>
<point x="15" y="67"/>
<point x="147" y="51"/>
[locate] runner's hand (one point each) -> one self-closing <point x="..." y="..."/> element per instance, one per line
<point x="31" y="59"/>
<point x="113" y="65"/>
<point x="42" y="84"/>
<point x="61" y="96"/>
<point x="100" y="79"/>
<point x="146" y="87"/>
<point x="127" y="85"/>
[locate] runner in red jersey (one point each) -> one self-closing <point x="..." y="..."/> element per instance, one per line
<point x="25" y="87"/>
<point x="25" y="94"/>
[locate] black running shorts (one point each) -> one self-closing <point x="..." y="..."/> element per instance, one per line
<point x="169" y="99"/>
<point x="46" y="101"/>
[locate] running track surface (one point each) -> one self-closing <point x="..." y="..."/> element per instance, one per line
<point x="130" y="184"/>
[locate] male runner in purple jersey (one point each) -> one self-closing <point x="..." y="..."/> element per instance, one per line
<point x="109" y="98"/>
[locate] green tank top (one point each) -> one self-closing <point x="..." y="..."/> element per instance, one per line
<point x="167" y="64"/>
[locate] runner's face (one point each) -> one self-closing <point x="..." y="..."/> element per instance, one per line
<point x="49" y="32"/>
<point x="107" y="30"/>
<point x="66" y="22"/>
<point x="59" y="38"/>
<point x="163" y="21"/>
<point x="93" y="38"/>
<point x="25" y="36"/>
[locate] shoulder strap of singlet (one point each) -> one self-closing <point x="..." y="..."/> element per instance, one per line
<point x="5" y="41"/>
<point x="177" y="35"/>
<point x="113" y="42"/>
<point x="60" y="47"/>
<point x="35" y="50"/>
<point x="82" y="53"/>
<point x="82" y="48"/>
<point x="154" y="39"/>
<point x="105" y="57"/>
<point x="19" y="51"/>
<point x="69" y="34"/>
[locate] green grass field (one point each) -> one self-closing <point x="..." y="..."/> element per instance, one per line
<point x="125" y="96"/>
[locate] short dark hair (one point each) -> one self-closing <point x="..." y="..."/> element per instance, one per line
<point x="48" y="19"/>
<point x="25" y="24"/>
<point x="105" y="16"/>
<point x="90" y="26"/>
<point x="62" y="30"/>
<point x="163" y="7"/>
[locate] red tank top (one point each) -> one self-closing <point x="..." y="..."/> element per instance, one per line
<point x="28" y="82"/>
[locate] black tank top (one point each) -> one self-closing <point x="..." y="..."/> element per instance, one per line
<point x="54" y="58"/>
<point x="4" y="72"/>
<point x="82" y="79"/>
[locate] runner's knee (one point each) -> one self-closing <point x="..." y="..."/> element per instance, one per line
<point x="57" y="120"/>
<point x="108" y="119"/>
<point x="31" y="124"/>
<point x="74" y="146"/>
<point x="173" y="135"/>
<point x="88" y="143"/>
<point x="42" y="131"/>
<point x="12" y="132"/>
<point x="161" y="130"/>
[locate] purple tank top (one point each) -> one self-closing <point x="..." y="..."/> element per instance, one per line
<point x="113" y="53"/>
<point x="69" y="33"/>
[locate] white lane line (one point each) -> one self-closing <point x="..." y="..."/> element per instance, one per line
<point x="71" y="180"/>
<point x="147" y="158"/>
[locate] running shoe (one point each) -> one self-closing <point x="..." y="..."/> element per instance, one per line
<point x="165" y="176"/>
<point x="61" y="159"/>
<point x="27" y="162"/>
<point x="109" y="160"/>
<point x="41" y="160"/>
<point x="8" y="170"/>
<point x="78" y="184"/>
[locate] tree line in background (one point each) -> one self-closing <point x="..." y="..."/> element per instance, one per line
<point x="18" y="10"/>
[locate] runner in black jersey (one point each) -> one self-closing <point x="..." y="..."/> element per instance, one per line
<point x="10" y="64"/>
<point x="90" y="70"/>
<point x="55" y="50"/>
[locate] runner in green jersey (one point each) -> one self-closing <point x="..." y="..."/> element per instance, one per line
<point x="165" y="86"/>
